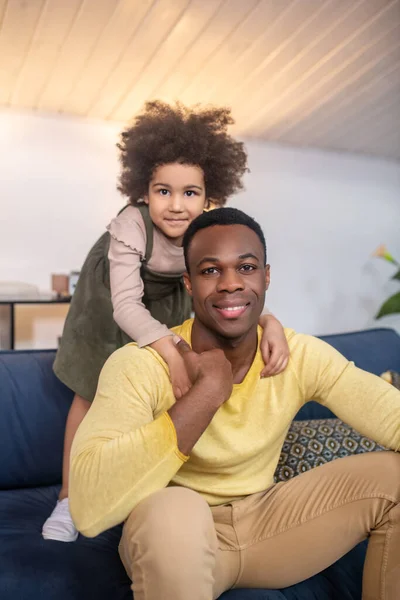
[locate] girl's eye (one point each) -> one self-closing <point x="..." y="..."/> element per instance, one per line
<point x="163" y="192"/>
<point x="190" y="193"/>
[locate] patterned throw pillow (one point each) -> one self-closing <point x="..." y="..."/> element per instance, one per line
<point x="309" y="444"/>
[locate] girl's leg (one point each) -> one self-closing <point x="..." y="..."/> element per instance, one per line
<point x="77" y="412"/>
<point x="59" y="526"/>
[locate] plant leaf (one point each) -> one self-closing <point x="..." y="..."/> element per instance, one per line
<point x="392" y="305"/>
<point x="397" y="275"/>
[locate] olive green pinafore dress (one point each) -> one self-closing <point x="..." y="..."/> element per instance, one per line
<point x="90" y="333"/>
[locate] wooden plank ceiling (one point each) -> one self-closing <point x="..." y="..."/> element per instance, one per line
<point x="315" y="73"/>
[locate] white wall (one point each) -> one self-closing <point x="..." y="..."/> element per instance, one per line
<point x="57" y="193"/>
<point x="323" y="215"/>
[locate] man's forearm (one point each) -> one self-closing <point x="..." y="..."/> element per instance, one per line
<point x="192" y="414"/>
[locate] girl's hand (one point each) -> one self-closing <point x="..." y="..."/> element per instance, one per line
<point x="274" y="346"/>
<point x="168" y="351"/>
<point x="181" y="383"/>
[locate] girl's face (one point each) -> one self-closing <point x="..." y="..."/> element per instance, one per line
<point x="177" y="195"/>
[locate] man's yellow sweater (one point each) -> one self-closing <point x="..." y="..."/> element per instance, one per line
<point x="126" y="447"/>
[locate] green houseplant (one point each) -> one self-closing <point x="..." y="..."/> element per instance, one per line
<point x="392" y="304"/>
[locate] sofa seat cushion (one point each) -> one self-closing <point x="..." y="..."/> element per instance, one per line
<point x="35" y="569"/>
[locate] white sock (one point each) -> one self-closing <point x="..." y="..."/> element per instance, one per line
<point x="59" y="526"/>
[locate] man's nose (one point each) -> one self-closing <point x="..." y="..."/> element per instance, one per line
<point x="230" y="281"/>
<point x="176" y="203"/>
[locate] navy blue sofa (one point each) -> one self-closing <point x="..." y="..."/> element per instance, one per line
<point x="33" y="410"/>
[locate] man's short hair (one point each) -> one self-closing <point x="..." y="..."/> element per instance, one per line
<point x="221" y="216"/>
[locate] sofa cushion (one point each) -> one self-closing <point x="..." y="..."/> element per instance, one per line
<point x="36" y="569"/>
<point x="34" y="406"/>
<point x="309" y="444"/>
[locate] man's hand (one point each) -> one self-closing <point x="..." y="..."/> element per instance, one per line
<point x="210" y="369"/>
<point x="211" y="375"/>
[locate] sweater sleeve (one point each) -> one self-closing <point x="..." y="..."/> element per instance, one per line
<point x="364" y="401"/>
<point x="123" y="450"/>
<point x="127" y="248"/>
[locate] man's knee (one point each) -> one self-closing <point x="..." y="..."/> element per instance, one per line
<point x="380" y="469"/>
<point x="385" y="468"/>
<point x="171" y="525"/>
<point x="167" y="509"/>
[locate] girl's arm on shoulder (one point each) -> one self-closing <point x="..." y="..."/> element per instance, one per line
<point x="180" y="381"/>
<point x="127" y="247"/>
<point x="274" y="346"/>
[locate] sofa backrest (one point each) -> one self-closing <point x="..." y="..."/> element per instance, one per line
<point x="374" y="350"/>
<point x="34" y="404"/>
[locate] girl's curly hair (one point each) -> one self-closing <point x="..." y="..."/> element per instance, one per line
<point x="165" y="134"/>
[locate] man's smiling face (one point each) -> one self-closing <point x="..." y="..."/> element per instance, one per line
<point x="228" y="279"/>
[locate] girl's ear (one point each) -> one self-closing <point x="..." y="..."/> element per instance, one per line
<point x="146" y="199"/>
<point x="187" y="282"/>
<point x="210" y="205"/>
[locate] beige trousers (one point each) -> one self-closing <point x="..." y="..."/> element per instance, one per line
<point x="175" y="547"/>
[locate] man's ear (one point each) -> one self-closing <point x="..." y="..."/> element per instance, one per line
<point x="267" y="276"/>
<point x="187" y="282"/>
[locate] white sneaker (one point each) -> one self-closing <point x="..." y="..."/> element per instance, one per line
<point x="59" y="526"/>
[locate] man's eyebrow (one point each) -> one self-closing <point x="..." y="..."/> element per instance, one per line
<point x="248" y="255"/>
<point x="207" y="259"/>
<point x="213" y="259"/>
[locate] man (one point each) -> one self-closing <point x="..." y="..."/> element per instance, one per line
<point x="193" y="479"/>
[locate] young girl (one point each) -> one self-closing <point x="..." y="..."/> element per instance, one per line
<point x="175" y="161"/>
